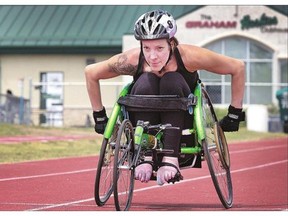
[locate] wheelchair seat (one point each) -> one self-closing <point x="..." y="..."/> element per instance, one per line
<point x="166" y="103"/>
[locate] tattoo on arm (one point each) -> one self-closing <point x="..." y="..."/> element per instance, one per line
<point x="122" y="67"/>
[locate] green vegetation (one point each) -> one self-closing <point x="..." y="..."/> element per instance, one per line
<point x="244" y="135"/>
<point x="26" y="151"/>
<point x="17" y="130"/>
<point x="10" y="153"/>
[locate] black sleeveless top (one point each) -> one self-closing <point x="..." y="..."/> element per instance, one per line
<point x="190" y="78"/>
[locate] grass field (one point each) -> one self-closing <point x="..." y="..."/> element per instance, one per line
<point x="26" y="151"/>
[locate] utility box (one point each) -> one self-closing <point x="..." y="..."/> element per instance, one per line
<point x="257" y="118"/>
<point x="282" y="96"/>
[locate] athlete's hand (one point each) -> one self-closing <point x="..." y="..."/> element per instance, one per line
<point x="232" y="120"/>
<point x="100" y="119"/>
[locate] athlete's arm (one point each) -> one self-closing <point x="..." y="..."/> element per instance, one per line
<point x="120" y="64"/>
<point x="196" y="58"/>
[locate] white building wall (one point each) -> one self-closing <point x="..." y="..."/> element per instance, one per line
<point x="202" y="36"/>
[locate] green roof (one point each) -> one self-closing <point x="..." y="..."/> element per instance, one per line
<point x="75" y="28"/>
<point x="71" y="28"/>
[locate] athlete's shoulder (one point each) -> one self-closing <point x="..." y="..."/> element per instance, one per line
<point x="125" y="63"/>
<point x="189" y="54"/>
<point x="132" y="55"/>
<point x="184" y="48"/>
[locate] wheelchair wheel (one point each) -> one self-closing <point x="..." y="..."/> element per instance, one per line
<point x="222" y="146"/>
<point x="123" y="174"/>
<point x="216" y="153"/>
<point x="104" y="174"/>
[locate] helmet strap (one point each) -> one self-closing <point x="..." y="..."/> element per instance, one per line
<point x="169" y="58"/>
<point x="142" y="53"/>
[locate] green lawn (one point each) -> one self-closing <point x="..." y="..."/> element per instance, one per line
<point x="45" y="150"/>
<point x="26" y="151"/>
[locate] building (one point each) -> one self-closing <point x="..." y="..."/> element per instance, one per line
<point x="44" y="50"/>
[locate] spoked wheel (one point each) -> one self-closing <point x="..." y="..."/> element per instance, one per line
<point x="222" y="146"/>
<point x="123" y="175"/>
<point x="104" y="174"/>
<point x="216" y="153"/>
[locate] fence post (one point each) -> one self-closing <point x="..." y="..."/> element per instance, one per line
<point x="21" y="101"/>
<point x="29" y="112"/>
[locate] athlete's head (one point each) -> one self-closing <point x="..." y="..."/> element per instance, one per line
<point x="155" y="30"/>
<point x="156" y="24"/>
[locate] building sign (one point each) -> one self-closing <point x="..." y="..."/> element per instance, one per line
<point x="265" y="23"/>
<point x="247" y="22"/>
<point x="207" y="22"/>
<point x="211" y="24"/>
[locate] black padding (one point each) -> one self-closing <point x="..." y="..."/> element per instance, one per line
<point x="156" y="103"/>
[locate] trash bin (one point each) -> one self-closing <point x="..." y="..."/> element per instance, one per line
<point x="282" y="96"/>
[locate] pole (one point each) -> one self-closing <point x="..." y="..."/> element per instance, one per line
<point x="21" y="101"/>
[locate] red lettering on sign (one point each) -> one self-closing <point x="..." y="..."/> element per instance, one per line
<point x="211" y="24"/>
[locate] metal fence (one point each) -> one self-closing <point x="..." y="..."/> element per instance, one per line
<point x="14" y="110"/>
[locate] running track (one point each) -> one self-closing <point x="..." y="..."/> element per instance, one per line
<point x="259" y="174"/>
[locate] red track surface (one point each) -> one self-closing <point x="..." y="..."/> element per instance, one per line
<point x="259" y="175"/>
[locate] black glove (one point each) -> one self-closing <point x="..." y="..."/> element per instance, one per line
<point x="100" y="119"/>
<point x="232" y="120"/>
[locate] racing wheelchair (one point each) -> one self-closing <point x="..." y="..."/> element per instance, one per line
<point x="124" y="146"/>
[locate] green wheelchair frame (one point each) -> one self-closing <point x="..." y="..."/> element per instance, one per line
<point x="123" y="146"/>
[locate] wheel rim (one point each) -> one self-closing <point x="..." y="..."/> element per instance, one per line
<point x="104" y="176"/>
<point x="219" y="169"/>
<point x="221" y="176"/>
<point x="222" y="146"/>
<point x="123" y="170"/>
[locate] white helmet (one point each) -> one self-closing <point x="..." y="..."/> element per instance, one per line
<point x="156" y="24"/>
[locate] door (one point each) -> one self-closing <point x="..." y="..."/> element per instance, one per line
<point x="51" y="99"/>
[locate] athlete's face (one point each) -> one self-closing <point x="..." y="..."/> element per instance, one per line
<point x="156" y="53"/>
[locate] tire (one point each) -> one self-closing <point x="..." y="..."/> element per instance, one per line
<point x="123" y="174"/>
<point x="104" y="174"/>
<point x="216" y="153"/>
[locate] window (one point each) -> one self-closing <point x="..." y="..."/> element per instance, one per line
<point x="258" y="61"/>
<point x="283" y="71"/>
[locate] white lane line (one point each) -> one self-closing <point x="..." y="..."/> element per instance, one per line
<point x="61" y="204"/>
<point x="93" y="169"/>
<point x="260" y="166"/>
<point x="157" y="186"/>
<point x="257" y="149"/>
<point x="47" y="175"/>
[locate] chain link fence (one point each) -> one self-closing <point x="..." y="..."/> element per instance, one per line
<point x="14" y="110"/>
